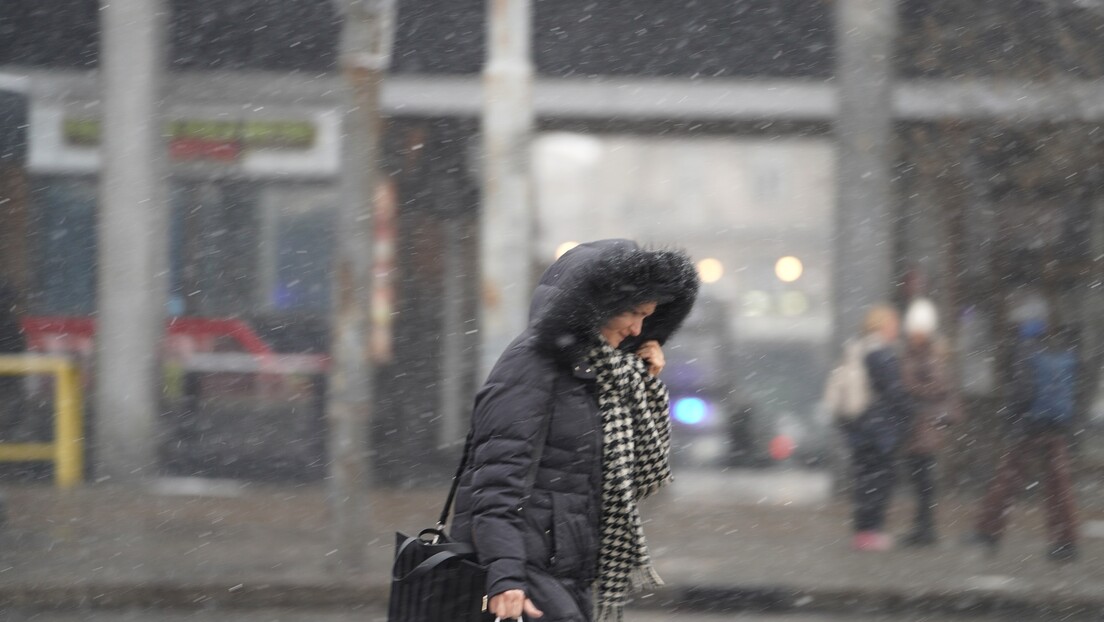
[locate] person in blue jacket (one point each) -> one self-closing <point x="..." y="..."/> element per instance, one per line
<point x="1041" y="412"/>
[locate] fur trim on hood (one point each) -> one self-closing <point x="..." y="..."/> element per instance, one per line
<point x="595" y="281"/>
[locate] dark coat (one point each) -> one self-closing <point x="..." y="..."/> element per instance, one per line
<point x="541" y="400"/>
<point x="925" y="369"/>
<point x="886" y="422"/>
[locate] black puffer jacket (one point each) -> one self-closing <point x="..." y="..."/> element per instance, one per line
<point x="540" y="399"/>
<point x="885" y="424"/>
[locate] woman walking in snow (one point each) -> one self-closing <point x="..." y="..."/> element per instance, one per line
<point x="571" y="431"/>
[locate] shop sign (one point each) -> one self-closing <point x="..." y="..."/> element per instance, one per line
<point x="299" y="142"/>
<point x="206" y="139"/>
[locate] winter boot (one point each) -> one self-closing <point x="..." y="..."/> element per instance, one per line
<point x="1062" y="553"/>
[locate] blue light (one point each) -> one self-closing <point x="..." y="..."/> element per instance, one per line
<point x="690" y="410"/>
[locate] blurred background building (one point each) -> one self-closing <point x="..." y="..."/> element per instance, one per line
<point x="701" y="125"/>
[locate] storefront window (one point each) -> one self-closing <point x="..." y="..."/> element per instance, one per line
<point x="235" y="248"/>
<point x="304" y="255"/>
<point x="297" y="251"/>
<point x="64" y="241"/>
<point x="214" y="237"/>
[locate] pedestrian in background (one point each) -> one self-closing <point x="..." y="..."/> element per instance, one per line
<point x="875" y="436"/>
<point x="1042" y="409"/>
<point x="925" y="370"/>
<point x="570" y="430"/>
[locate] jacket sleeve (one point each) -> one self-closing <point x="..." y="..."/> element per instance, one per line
<point x="509" y="422"/>
<point x="888" y="382"/>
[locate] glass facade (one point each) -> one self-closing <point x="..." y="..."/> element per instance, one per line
<point x="63" y="243"/>
<point x="235" y="248"/>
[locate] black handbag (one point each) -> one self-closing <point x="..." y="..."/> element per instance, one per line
<point x="435" y="579"/>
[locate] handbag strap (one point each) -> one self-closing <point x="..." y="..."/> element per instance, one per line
<point x="455" y="482"/>
<point x="456" y="550"/>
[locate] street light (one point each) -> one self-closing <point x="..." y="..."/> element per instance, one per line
<point x="789" y="269"/>
<point x="710" y="270"/>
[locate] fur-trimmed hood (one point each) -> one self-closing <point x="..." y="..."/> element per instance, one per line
<point x="595" y="281"/>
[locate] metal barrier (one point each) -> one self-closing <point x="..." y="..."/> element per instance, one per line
<point x="67" y="449"/>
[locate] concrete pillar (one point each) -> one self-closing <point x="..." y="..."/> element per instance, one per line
<point x="365" y="56"/>
<point x="507" y="224"/>
<point x="132" y="239"/>
<point x="864" y="254"/>
<point x="452" y="407"/>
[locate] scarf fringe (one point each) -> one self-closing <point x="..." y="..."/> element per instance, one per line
<point x="645" y="578"/>
<point x="609" y="612"/>
<point x="641" y="579"/>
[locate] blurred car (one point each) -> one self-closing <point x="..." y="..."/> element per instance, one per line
<point x="712" y="422"/>
<point x="715" y="420"/>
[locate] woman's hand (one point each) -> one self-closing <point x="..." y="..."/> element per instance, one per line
<point x="511" y="604"/>
<point x="652" y="354"/>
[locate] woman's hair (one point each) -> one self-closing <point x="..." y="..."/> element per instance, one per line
<point x="878" y="317"/>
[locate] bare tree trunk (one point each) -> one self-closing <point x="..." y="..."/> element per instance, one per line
<point x="864" y="259"/>
<point x="507" y="219"/>
<point x="365" y="55"/>
<point x="131" y="238"/>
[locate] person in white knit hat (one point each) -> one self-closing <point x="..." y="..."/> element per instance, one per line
<point x="926" y="377"/>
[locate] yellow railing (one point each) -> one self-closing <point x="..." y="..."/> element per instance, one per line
<point x="67" y="450"/>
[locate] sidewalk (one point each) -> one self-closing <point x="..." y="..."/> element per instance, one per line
<point x="718" y="540"/>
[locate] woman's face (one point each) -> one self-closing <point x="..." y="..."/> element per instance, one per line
<point x="891" y="329"/>
<point x="627" y="324"/>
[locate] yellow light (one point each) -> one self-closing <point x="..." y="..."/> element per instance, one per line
<point x="563" y="248"/>
<point x="789" y="269"/>
<point x="710" y="270"/>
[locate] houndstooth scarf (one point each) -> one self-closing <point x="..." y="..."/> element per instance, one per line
<point x="635" y="463"/>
